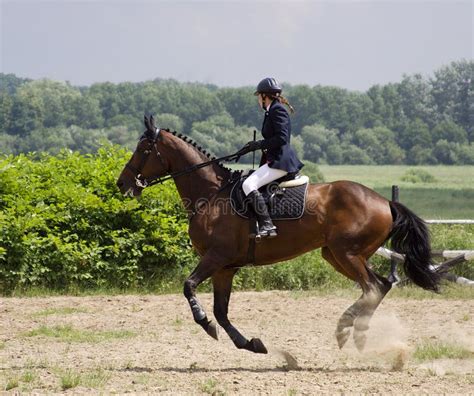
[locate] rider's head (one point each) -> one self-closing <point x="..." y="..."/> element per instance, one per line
<point x="268" y="90"/>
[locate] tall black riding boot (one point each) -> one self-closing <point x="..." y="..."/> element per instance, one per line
<point x="265" y="224"/>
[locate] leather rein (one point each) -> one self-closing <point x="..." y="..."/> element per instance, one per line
<point x="144" y="182"/>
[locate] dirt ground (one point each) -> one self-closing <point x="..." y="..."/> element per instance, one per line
<point x="166" y="352"/>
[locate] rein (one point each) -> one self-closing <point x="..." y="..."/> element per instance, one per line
<point x="143" y="183"/>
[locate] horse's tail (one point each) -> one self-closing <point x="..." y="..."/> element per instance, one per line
<point x="410" y="236"/>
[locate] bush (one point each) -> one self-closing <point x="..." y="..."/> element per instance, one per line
<point x="63" y="223"/>
<point x="418" y="176"/>
<point x="312" y="171"/>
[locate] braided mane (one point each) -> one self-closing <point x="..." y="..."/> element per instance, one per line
<point x="190" y="141"/>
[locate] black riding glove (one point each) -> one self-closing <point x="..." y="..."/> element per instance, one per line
<point x="253" y="145"/>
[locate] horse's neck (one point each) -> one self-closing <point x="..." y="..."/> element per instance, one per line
<point x="200" y="184"/>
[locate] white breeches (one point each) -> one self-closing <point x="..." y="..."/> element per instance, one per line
<point x="260" y="177"/>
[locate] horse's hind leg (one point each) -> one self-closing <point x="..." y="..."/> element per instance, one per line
<point x="374" y="288"/>
<point x="346" y="321"/>
<point x="369" y="302"/>
<point x="222" y="284"/>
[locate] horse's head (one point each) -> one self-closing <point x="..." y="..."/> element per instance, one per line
<point x="146" y="163"/>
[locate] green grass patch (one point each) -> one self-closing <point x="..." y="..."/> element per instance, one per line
<point x="451" y="177"/>
<point x="59" y="311"/>
<point x="432" y="350"/>
<point x="440" y="192"/>
<point x="210" y="387"/>
<point x="450" y="291"/>
<point x="28" y="376"/>
<point x="12" y="383"/>
<point x="69" y="379"/>
<point x="69" y="334"/>
<point x="95" y="378"/>
<point x="418" y="176"/>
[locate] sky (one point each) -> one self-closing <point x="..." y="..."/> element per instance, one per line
<point x="350" y="44"/>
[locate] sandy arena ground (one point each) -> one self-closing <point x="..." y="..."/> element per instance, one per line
<point x="168" y="353"/>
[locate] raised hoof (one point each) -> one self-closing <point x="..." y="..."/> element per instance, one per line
<point x="256" y="345"/>
<point x="213" y="330"/>
<point x="342" y="336"/>
<point x="360" y="339"/>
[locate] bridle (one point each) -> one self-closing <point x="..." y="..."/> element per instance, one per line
<point x="153" y="138"/>
<point x="140" y="181"/>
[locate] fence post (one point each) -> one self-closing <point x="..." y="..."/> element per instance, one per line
<point x="393" y="277"/>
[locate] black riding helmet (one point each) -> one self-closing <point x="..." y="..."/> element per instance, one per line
<point x="268" y="86"/>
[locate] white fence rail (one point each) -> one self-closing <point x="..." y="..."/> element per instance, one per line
<point x="454" y="257"/>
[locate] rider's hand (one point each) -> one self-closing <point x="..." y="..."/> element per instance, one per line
<point x="252" y="146"/>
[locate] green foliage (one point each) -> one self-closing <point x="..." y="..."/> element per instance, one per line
<point x="415" y="121"/>
<point x="313" y="172"/>
<point x="418" y="176"/>
<point x="64" y="224"/>
<point x="380" y="145"/>
<point x="219" y="134"/>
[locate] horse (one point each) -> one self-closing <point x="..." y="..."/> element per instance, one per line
<point x="346" y="220"/>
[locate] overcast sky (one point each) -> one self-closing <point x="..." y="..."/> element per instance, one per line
<point x="351" y="44"/>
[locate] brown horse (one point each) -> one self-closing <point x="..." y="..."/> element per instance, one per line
<point x="348" y="221"/>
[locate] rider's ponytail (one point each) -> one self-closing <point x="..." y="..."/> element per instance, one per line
<point x="282" y="100"/>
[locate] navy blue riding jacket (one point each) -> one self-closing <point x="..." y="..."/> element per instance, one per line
<point x="276" y="130"/>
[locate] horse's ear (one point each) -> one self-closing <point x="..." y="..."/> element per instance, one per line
<point x="152" y="123"/>
<point x="146" y="122"/>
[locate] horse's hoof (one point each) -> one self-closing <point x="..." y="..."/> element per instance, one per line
<point x="256" y="345"/>
<point x="213" y="330"/>
<point x="342" y="336"/>
<point x="360" y="339"/>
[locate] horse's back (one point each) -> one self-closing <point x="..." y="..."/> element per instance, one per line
<point x="344" y="199"/>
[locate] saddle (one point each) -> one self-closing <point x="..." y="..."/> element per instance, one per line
<point x="285" y="197"/>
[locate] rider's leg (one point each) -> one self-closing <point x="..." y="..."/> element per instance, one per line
<point x="260" y="177"/>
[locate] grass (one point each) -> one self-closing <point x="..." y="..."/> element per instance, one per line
<point x="452" y="177"/>
<point x="70" y="378"/>
<point x="12" y="383"/>
<point x="95" y="378"/>
<point x="69" y="334"/>
<point x="432" y="350"/>
<point x="15" y="379"/>
<point x="449" y="195"/>
<point x="210" y="387"/>
<point x="59" y="311"/>
<point x="28" y="376"/>
<point x="450" y="291"/>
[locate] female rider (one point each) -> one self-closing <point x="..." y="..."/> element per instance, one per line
<point x="278" y="157"/>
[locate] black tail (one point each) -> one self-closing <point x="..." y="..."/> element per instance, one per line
<point x="410" y="236"/>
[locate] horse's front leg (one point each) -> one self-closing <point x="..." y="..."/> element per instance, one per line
<point x="206" y="267"/>
<point x="222" y="285"/>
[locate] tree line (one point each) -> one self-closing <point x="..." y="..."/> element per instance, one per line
<point x="419" y="120"/>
